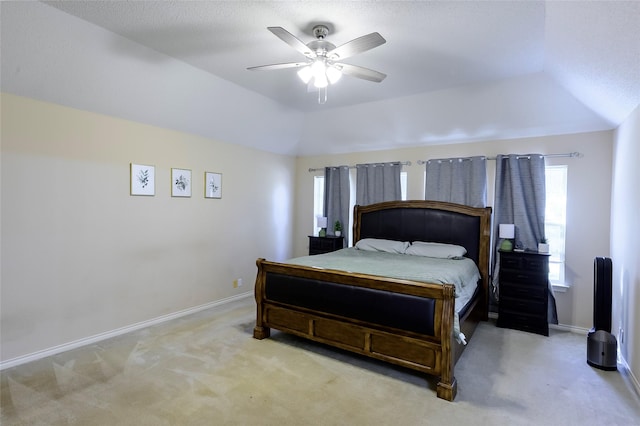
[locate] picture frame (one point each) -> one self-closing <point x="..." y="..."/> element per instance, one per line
<point x="180" y="182"/>
<point x="212" y="185"/>
<point x="142" y="180"/>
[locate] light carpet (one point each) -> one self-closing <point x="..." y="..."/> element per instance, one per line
<point x="206" y="369"/>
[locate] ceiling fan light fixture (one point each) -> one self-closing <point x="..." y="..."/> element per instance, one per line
<point x="333" y="74"/>
<point x="319" y="71"/>
<point x="320" y="81"/>
<point x="305" y="74"/>
<point x="318" y="67"/>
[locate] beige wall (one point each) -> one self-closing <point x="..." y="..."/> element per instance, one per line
<point x="625" y="241"/>
<point x="589" y="197"/>
<point x="80" y="256"/>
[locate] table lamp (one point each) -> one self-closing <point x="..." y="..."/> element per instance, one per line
<point x="507" y="231"/>
<point x="321" y="222"/>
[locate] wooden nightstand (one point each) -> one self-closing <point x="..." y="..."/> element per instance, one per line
<point x="524" y="291"/>
<point x="319" y="245"/>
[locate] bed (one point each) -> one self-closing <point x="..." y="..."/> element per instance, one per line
<point x="406" y="322"/>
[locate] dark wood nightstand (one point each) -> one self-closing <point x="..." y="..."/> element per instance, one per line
<point x="524" y="278"/>
<point x="319" y="245"/>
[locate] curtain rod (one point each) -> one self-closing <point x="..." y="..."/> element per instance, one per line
<point x="320" y="169"/>
<point x="568" y="154"/>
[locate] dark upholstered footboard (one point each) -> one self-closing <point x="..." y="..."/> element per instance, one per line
<point x="380" y="307"/>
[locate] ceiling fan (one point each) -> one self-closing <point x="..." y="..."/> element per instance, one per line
<point x="323" y="65"/>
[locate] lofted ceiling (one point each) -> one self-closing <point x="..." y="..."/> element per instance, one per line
<point x="456" y="70"/>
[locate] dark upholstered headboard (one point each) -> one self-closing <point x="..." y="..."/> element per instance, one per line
<point x="430" y="221"/>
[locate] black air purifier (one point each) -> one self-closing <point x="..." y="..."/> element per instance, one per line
<point x="602" y="347"/>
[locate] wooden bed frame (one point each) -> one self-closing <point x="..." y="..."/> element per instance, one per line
<point x="403" y="221"/>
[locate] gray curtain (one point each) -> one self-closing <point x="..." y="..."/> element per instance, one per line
<point x="520" y="197"/>
<point x="457" y="180"/>
<point x="336" y="198"/>
<point x="378" y="182"/>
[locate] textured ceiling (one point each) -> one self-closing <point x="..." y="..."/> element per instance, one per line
<point x="583" y="57"/>
<point x="430" y="45"/>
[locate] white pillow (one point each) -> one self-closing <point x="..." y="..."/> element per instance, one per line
<point x="439" y="250"/>
<point x="387" y="246"/>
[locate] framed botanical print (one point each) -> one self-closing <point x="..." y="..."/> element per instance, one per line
<point x="212" y="185"/>
<point x="143" y="180"/>
<point x="180" y="183"/>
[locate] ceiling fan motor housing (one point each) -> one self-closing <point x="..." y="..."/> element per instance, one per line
<point x="320" y="31"/>
<point x="320" y="47"/>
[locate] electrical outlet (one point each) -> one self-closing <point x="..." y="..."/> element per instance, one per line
<point x="237" y="282"/>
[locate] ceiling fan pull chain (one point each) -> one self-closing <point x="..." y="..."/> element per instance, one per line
<point x="322" y="95"/>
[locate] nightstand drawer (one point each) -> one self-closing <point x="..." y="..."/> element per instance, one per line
<point x="524" y="322"/>
<point x="516" y="307"/>
<point x="320" y="245"/>
<point x="508" y="262"/>
<point x="535" y="263"/>
<point x="524" y="277"/>
<point x="520" y="291"/>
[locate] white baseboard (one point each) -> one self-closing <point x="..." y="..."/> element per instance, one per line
<point x="628" y="374"/>
<point x="571" y="328"/>
<point x="562" y="327"/>
<point x="117" y="332"/>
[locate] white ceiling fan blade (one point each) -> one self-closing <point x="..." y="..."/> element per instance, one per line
<point x="355" y="46"/>
<point x="361" y="72"/>
<point x="278" y="66"/>
<point x="292" y="41"/>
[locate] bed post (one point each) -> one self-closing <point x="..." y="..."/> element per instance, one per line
<point x="483" y="261"/>
<point x="447" y="386"/>
<point x="260" y="331"/>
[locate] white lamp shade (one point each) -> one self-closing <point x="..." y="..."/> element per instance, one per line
<point x="318" y="67"/>
<point x="321" y="222"/>
<point x="507" y="230"/>
<point x="333" y="74"/>
<point x="320" y="81"/>
<point x="305" y="74"/>
<point x="318" y="71"/>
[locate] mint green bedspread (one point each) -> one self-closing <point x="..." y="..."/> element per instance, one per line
<point x="461" y="272"/>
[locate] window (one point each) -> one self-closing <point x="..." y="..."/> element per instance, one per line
<point x="318" y="201"/>
<point x="403" y="185"/>
<point x="555" y="220"/>
<point x="318" y="197"/>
